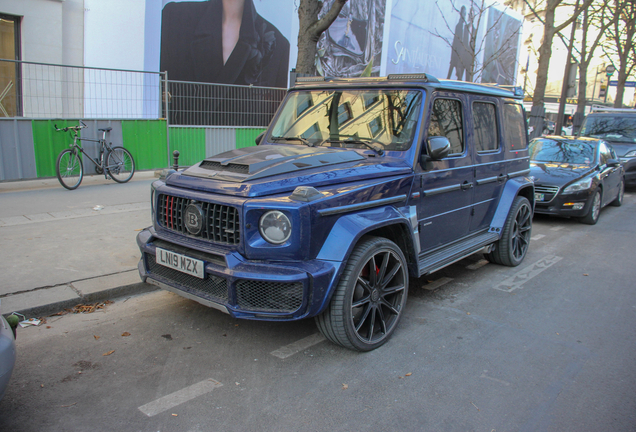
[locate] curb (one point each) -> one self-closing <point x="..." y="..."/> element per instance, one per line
<point x="51" y="300"/>
<point x="101" y="296"/>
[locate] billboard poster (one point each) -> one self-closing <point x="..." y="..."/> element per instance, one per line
<point x="352" y="45"/>
<point x="463" y="40"/>
<point x="228" y="42"/>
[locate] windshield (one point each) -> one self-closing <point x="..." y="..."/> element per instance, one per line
<point x="561" y="151"/>
<point x="377" y="119"/>
<point x="615" y="128"/>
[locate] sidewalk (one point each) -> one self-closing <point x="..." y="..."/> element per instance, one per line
<point x="61" y="248"/>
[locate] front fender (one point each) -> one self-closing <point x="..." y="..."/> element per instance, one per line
<point x="513" y="188"/>
<point x="350" y="228"/>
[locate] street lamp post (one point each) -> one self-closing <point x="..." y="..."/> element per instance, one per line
<point x="609" y="71"/>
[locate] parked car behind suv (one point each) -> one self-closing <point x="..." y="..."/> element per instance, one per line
<point x="356" y="186"/>
<point x="618" y="127"/>
<point x="575" y="177"/>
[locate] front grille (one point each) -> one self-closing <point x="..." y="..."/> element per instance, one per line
<point x="221" y="222"/>
<point x="211" y="286"/>
<point x="269" y="296"/>
<point x="216" y="166"/>
<point x="549" y="192"/>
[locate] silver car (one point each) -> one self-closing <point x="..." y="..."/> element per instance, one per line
<point x="7" y="354"/>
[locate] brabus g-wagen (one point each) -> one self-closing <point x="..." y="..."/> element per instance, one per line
<point x="356" y="186"/>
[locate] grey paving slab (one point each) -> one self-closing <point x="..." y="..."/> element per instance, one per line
<point x="38" y="298"/>
<point x="91" y="286"/>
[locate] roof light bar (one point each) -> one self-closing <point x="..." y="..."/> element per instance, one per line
<point x="310" y="79"/>
<point x="420" y="76"/>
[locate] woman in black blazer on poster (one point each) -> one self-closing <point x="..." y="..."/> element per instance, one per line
<point x="220" y="41"/>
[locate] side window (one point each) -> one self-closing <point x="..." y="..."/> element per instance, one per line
<point x="514" y="127"/>
<point x="446" y="120"/>
<point x="485" y="122"/>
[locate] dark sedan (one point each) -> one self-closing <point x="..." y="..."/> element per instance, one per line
<point x="575" y="177"/>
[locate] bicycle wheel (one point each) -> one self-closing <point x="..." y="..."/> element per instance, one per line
<point x="120" y="164"/>
<point x="69" y="169"/>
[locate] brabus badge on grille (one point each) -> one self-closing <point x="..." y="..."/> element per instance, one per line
<point x="194" y="218"/>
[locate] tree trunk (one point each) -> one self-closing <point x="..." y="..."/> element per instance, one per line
<point x="310" y="30"/>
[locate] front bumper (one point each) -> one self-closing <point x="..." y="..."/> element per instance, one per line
<point x="271" y="291"/>
<point x="629" y="165"/>
<point x="570" y="205"/>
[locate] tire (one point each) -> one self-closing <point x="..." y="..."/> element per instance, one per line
<point x="69" y="169"/>
<point x="120" y="164"/>
<point x="365" y="310"/>
<point x="594" y="211"/>
<point x="621" y="193"/>
<point x="511" y="248"/>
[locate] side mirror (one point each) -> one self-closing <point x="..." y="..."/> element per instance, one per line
<point x="437" y="147"/>
<point x="259" y="138"/>
<point x="613" y="163"/>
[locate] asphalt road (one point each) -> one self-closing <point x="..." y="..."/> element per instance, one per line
<point x="546" y="346"/>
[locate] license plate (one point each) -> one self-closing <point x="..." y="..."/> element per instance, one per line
<point x="539" y="197"/>
<point x="180" y="262"/>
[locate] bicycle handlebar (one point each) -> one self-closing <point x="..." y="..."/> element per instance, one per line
<point x="74" y="128"/>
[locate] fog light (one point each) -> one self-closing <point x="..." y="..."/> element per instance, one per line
<point x="575" y="206"/>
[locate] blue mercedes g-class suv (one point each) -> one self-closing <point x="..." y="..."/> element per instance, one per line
<point x="356" y="186"/>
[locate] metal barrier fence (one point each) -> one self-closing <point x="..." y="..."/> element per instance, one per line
<point x="40" y="90"/>
<point x="205" y="104"/>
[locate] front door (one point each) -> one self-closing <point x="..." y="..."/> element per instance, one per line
<point x="446" y="186"/>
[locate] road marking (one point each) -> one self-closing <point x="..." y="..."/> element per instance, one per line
<point x="517" y="280"/>
<point x="477" y="265"/>
<point x="177" y="398"/>
<point x="537" y="237"/>
<point x="483" y="375"/>
<point x="431" y="286"/>
<point x="556" y="228"/>
<point x="296" y="347"/>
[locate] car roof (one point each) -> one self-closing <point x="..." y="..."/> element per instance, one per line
<point x="568" y="139"/>
<point x="409" y="80"/>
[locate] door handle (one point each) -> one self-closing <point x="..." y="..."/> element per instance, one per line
<point x="466" y="185"/>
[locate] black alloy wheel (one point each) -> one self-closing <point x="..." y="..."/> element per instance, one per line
<point x="594" y="211"/>
<point x="370" y="297"/>
<point x="512" y="247"/>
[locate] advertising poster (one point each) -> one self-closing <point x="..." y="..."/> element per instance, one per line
<point x="463" y="40"/>
<point x="247" y="50"/>
<point x="352" y="45"/>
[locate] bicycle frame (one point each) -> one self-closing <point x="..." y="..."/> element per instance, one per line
<point x="103" y="150"/>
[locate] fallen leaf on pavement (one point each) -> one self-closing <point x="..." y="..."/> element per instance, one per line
<point x="409" y="374"/>
<point x="108" y="353"/>
<point x="124" y="334"/>
<point x="96" y="337"/>
<point x="345" y="386"/>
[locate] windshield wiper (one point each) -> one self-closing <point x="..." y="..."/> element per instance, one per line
<point x="360" y="140"/>
<point x="301" y="139"/>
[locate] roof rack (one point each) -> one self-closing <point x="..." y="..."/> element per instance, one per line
<point x="601" y="108"/>
<point x="516" y="90"/>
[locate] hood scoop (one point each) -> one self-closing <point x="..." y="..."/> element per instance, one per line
<point x="253" y="163"/>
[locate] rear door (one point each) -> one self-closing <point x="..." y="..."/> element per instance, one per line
<point x="490" y="166"/>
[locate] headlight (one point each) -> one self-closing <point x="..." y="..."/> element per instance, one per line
<point x="630" y="154"/>
<point x="275" y="227"/>
<point x="578" y="186"/>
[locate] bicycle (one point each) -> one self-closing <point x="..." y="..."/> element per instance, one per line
<point x="116" y="162"/>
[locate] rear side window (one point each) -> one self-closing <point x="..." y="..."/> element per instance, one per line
<point x="514" y="127"/>
<point x="446" y="121"/>
<point x="485" y="121"/>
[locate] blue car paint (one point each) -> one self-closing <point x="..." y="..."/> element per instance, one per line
<point x="322" y="242"/>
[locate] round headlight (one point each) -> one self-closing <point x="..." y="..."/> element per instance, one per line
<point x="275" y="227"/>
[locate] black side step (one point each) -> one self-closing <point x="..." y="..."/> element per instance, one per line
<point x="445" y="256"/>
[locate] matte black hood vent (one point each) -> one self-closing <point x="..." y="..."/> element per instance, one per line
<point x="253" y="163"/>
